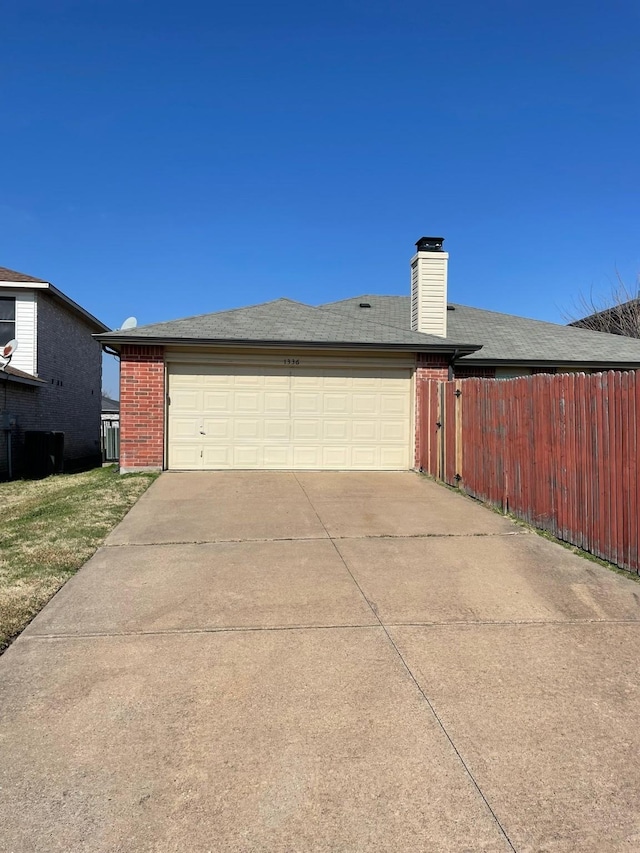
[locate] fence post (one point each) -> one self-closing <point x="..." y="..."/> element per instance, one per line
<point x="442" y="415"/>
<point x="459" y="474"/>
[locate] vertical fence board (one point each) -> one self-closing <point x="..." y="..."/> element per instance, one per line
<point x="559" y="451"/>
<point x="635" y="461"/>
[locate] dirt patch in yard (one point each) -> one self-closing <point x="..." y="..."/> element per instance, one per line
<point x="49" y="529"/>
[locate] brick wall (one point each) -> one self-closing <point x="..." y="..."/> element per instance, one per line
<point x="474" y="372"/>
<point x="428" y="366"/>
<point x="21" y="401"/>
<point x="141" y="407"/>
<point x="69" y="361"/>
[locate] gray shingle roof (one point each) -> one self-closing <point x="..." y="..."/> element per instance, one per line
<point x="507" y="338"/>
<point x="504" y="338"/>
<point x="286" y="321"/>
<point x="109" y="405"/>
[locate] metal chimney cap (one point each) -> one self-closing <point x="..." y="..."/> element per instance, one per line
<point x="430" y="244"/>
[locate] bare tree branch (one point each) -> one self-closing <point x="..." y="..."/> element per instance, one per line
<point x="618" y="312"/>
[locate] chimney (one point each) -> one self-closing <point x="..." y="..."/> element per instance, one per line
<point x="429" y="287"/>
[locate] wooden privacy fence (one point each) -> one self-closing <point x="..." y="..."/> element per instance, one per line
<point x="560" y="452"/>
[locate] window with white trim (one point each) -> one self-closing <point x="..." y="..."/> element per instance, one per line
<point x="7" y="319"/>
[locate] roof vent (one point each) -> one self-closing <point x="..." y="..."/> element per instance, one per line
<point x="365" y="305"/>
<point x="430" y="244"/>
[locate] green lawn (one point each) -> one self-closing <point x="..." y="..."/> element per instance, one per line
<point x="49" y="528"/>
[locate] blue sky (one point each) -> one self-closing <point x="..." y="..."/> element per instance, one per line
<point x="163" y="159"/>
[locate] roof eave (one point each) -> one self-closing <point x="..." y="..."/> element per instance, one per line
<point x="78" y="309"/>
<point x="47" y="287"/>
<point x="117" y="341"/>
<point x="530" y="362"/>
<point x="22" y="380"/>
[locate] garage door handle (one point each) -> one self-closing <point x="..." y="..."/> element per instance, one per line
<point x="202" y="432"/>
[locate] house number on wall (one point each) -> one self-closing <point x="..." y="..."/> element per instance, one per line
<point x="291" y="361"/>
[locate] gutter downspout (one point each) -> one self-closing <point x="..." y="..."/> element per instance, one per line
<point x="456" y="352"/>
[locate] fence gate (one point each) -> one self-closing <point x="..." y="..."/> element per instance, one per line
<point x="110" y="440"/>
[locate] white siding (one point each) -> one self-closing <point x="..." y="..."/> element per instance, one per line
<point x="26" y="332"/>
<point x="429" y="293"/>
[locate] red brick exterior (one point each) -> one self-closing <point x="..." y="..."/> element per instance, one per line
<point x="473" y="371"/>
<point x="141" y="407"/>
<point x="142" y="403"/>
<point x="428" y="366"/>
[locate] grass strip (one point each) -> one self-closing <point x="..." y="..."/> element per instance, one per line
<point x="49" y="529"/>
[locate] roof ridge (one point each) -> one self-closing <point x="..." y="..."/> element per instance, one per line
<point x="407" y="328"/>
<point x="223" y="311"/>
<point x="374" y="322"/>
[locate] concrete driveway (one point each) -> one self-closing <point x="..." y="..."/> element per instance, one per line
<point x="324" y="662"/>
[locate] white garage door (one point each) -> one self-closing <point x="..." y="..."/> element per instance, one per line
<point x="306" y="418"/>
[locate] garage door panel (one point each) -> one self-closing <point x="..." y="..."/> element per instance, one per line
<point x="337" y="382"/>
<point x="334" y="404"/>
<point x="276" y="403"/>
<point x="276" y="430"/>
<point x="246" y="401"/>
<point x="187" y="457"/>
<point x="276" y="381"/>
<point x="364" y="457"/>
<point x="391" y="457"/>
<point x="219" y="428"/>
<point x="215" y="401"/>
<point x="186" y="400"/>
<point x="247" y="456"/>
<point x="335" y="430"/>
<point x="306" y="403"/>
<point x="307" y="457"/>
<point x="393" y="404"/>
<point x="247" y="429"/>
<point x="364" y="430"/>
<point x="365" y="404"/>
<point x="185" y="378"/>
<point x="368" y="383"/>
<point x="277" y="456"/>
<point x="245" y="378"/>
<point x="395" y="386"/>
<point x="393" y="431"/>
<point x="336" y="458"/>
<point x="311" y="418"/>
<point x="216" y="456"/>
<point x="308" y="429"/>
<point x="188" y="428"/>
<point x="212" y="380"/>
<point x="306" y="382"/>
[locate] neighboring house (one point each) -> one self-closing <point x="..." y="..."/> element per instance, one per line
<point x="622" y="318"/>
<point x="110" y="429"/>
<point x="285" y="385"/>
<point x="110" y="409"/>
<point x="53" y="382"/>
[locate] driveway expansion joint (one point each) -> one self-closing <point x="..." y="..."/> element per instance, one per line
<point x="379" y="623"/>
<point x="231" y="629"/>
<point x="413" y="678"/>
<point x="327" y="538"/>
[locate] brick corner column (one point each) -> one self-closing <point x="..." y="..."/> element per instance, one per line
<point x="429" y="367"/>
<point x="142" y="400"/>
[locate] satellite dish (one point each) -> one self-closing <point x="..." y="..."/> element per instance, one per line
<point x="129" y="323"/>
<point x="6" y="352"/>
